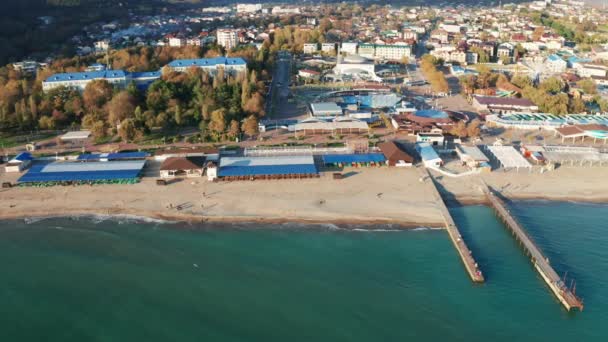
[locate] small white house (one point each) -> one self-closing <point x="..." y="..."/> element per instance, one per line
<point x="21" y="162"/>
<point x="434" y="137"/>
<point x="429" y="156"/>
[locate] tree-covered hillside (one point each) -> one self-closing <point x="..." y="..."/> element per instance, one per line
<point x="22" y="33"/>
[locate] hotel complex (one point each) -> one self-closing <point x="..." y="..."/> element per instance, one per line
<point x="121" y="78"/>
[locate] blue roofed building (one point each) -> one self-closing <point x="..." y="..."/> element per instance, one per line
<point x="144" y="79"/>
<point x="271" y="167"/>
<point x="429" y="156"/>
<point x="113" y="156"/>
<point x="555" y="64"/>
<point x="230" y="65"/>
<point x="126" y="171"/>
<point x="121" y="78"/>
<point x="79" y="80"/>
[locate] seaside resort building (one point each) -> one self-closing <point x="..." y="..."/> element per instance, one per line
<point x="121" y="78"/>
<point x="107" y="168"/>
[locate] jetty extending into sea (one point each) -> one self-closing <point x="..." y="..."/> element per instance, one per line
<point x="567" y="296"/>
<point x="465" y="253"/>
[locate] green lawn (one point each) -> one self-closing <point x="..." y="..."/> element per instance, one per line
<point x="17" y="140"/>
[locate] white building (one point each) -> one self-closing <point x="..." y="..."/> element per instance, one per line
<point x="79" y="80"/>
<point x="211" y="65"/>
<point x="328" y="48"/>
<point x="349" y="48"/>
<point x="393" y="52"/>
<point x="228" y="38"/>
<point x="194" y="42"/>
<point x="248" y="8"/>
<point x="217" y="10"/>
<point x="590" y="70"/>
<point x="21" y="162"/>
<point x="29" y="67"/>
<point x="177" y="42"/>
<point x="355" y="67"/>
<point x="285" y="10"/>
<point x="311" y="48"/>
<point x="555" y="64"/>
<point x="102" y="45"/>
<point x="451" y="28"/>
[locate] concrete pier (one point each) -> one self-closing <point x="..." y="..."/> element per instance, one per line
<point x="465" y="254"/>
<point x="541" y="263"/>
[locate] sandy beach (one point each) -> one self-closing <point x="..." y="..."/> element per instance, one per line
<point x="366" y="196"/>
<point x="564" y="184"/>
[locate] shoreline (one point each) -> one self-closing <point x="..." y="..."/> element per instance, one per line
<point x="369" y="196"/>
<point x="152" y="217"/>
<point x="197" y="219"/>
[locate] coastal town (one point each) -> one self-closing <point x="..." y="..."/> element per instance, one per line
<point x="312" y="91"/>
<point x="341" y="114"/>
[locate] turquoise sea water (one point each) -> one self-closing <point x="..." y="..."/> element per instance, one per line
<point x="90" y="280"/>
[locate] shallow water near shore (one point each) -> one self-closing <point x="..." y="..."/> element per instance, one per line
<point x="82" y="279"/>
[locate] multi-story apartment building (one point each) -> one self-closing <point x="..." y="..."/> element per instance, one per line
<point x="248" y="8"/>
<point x="393" y="52"/>
<point x="228" y="38"/>
<point x="177" y="42"/>
<point x="349" y="48"/>
<point x="231" y="66"/>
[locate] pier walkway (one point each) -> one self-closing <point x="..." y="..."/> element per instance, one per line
<point x="465" y="254"/>
<point x="565" y="295"/>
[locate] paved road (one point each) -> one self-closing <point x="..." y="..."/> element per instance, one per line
<point x="279" y="86"/>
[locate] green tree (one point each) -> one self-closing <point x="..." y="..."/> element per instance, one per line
<point x="217" y="123"/>
<point x="521" y="81"/>
<point x="46" y="123"/>
<point x="99" y="130"/>
<point x="250" y="126"/>
<point x="551" y="85"/>
<point x="120" y="107"/>
<point x="587" y="85"/>
<point x="576" y="106"/>
<point x="127" y="130"/>
<point x="473" y="128"/>
<point x="178" y="116"/>
<point x="97" y="93"/>
<point x="234" y="131"/>
<point x="459" y="129"/>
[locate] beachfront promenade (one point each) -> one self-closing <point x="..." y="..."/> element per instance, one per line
<point x="465" y="253"/>
<point x="565" y="295"/>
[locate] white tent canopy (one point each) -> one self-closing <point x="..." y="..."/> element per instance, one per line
<point x="509" y="157"/>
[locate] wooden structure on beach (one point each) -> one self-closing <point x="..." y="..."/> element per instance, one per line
<point x="567" y="296"/>
<point x="465" y="253"/>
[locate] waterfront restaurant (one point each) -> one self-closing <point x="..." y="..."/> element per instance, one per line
<point x="182" y="167"/>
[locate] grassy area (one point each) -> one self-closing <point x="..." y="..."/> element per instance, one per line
<point x="17" y="140"/>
